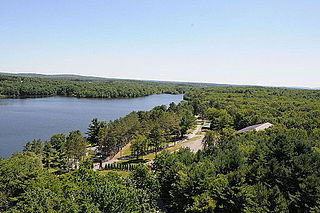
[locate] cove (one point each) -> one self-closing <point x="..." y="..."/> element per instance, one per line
<point x="23" y="120"/>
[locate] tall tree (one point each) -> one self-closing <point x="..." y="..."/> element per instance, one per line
<point x="49" y="155"/>
<point x="157" y="137"/>
<point x="76" y="146"/>
<point x="93" y="131"/>
<point x="139" y="145"/>
<point x="211" y="139"/>
<point x="58" y="144"/>
<point x="187" y="121"/>
<point x="220" y="118"/>
<point x="35" y="146"/>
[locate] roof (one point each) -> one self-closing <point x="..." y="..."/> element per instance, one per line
<point x="257" y="127"/>
<point x="206" y="125"/>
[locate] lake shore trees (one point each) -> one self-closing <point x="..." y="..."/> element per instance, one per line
<point x="20" y="87"/>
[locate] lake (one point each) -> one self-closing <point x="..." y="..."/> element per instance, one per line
<point x="23" y="120"/>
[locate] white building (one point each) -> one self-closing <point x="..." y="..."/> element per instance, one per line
<point x="257" y="127"/>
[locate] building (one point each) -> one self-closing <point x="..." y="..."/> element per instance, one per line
<point x="257" y="127"/>
<point x="206" y="126"/>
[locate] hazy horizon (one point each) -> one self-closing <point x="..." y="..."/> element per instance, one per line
<point x="138" y="79"/>
<point x="273" y="43"/>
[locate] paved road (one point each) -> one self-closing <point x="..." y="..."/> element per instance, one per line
<point x="194" y="145"/>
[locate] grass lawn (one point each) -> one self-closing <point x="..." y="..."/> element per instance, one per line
<point x="134" y="160"/>
<point x="52" y="170"/>
<point x="125" y="151"/>
<point x="151" y="156"/>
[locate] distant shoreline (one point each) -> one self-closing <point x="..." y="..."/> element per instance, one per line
<point x="63" y="96"/>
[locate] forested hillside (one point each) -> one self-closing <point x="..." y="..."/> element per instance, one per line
<point x="17" y="86"/>
<point x="274" y="170"/>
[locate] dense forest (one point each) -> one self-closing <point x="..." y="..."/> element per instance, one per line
<point x="238" y="107"/>
<point x="19" y="86"/>
<point x="275" y="170"/>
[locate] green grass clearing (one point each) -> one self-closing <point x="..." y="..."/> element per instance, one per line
<point x="125" y="151"/>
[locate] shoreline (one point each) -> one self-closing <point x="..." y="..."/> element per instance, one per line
<point x="66" y="96"/>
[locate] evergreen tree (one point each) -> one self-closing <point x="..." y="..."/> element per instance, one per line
<point x="75" y="147"/>
<point x="94" y="129"/>
<point x="35" y="146"/>
<point x="139" y="145"/>
<point x="156" y="137"/>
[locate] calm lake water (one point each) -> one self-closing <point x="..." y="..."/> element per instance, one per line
<point x="22" y="120"/>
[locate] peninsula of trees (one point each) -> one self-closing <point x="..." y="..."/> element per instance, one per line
<point x="20" y="87"/>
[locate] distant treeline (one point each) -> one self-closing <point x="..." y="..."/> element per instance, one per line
<point x="16" y="86"/>
<point x="239" y="107"/>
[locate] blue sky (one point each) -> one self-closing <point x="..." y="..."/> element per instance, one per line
<point x="274" y="42"/>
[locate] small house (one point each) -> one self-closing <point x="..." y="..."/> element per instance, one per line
<point x="206" y="126"/>
<point x="257" y="127"/>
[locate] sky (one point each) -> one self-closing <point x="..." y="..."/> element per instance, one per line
<point x="271" y="42"/>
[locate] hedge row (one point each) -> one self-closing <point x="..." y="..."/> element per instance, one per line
<point x="128" y="167"/>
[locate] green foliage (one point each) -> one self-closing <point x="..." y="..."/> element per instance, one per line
<point x="211" y="139"/>
<point x="248" y="106"/>
<point x="139" y="145"/>
<point x="14" y="173"/>
<point x="35" y="146"/>
<point x="60" y="151"/>
<point x="122" y="166"/>
<point x="159" y="125"/>
<point x="94" y="131"/>
<point x="203" y="203"/>
<point x="219" y="118"/>
<point x="54" y="152"/>
<point x="75" y="145"/>
<point x="81" y="191"/>
<point x="157" y="137"/>
<point x="12" y="86"/>
<point x="187" y="121"/>
<point x="276" y="170"/>
<point x="58" y="142"/>
<point x="147" y="184"/>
